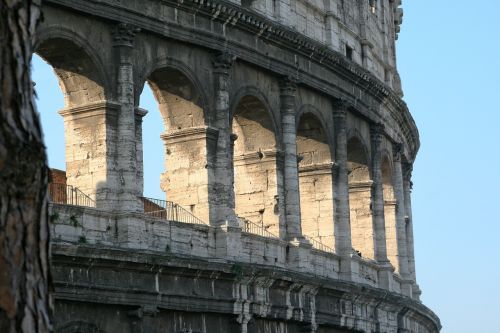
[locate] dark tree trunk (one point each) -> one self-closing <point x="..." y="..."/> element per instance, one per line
<point x="24" y="267"/>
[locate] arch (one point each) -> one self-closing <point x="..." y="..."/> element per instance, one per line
<point x="187" y="139"/>
<point x="184" y="73"/>
<point x="255" y="159"/>
<point x="84" y="83"/>
<point x="259" y="96"/>
<point x="81" y="73"/>
<point x="315" y="179"/>
<point x="360" y="196"/>
<point x="312" y="110"/>
<point x="358" y="161"/>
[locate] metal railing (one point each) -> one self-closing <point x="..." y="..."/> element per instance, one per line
<point x="167" y="210"/>
<point x="319" y="245"/>
<point x="69" y="195"/>
<point x="254" y="228"/>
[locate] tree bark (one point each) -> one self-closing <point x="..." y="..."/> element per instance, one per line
<point x="24" y="267"/>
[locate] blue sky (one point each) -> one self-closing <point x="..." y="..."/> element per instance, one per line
<point x="449" y="62"/>
<point x="449" y="59"/>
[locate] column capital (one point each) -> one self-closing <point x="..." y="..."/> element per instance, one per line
<point x="288" y="86"/>
<point x="223" y="62"/>
<point x="340" y="107"/>
<point x="397" y="151"/>
<point x="124" y="34"/>
<point x="407" y="171"/>
<point x="377" y="131"/>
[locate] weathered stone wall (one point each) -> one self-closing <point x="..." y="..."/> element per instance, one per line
<point x="368" y="31"/>
<point x="290" y="119"/>
<point x="130" y="272"/>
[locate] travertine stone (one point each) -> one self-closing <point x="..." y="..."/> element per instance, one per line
<point x="288" y="90"/>
<point x="294" y="220"/>
<point x="362" y="229"/>
<point x="343" y="243"/>
<point x="407" y="186"/>
<point x="126" y="155"/>
<point x="256" y="189"/>
<point x="402" y="251"/>
<point x="222" y="193"/>
<point x="186" y="180"/>
<point x="90" y="137"/>
<point x="315" y="180"/>
<point x="376" y="133"/>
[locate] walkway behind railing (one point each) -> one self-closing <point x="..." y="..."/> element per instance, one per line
<point x="254" y="228"/>
<point x="69" y="195"/>
<point x="318" y="245"/>
<point x="169" y="211"/>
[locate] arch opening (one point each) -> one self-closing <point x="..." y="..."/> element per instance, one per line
<point x="315" y="180"/>
<point x="255" y="159"/>
<point x="78" y="75"/>
<point x="360" y="197"/>
<point x="186" y="141"/>
<point x="82" y="166"/>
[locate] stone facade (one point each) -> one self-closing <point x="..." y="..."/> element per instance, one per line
<point x="288" y="154"/>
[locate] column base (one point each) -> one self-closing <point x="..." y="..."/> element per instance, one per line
<point x="228" y="242"/>
<point x="299" y="254"/>
<point x="346" y="267"/>
<point x="385" y="275"/>
<point x="407" y="287"/>
<point x="416" y="292"/>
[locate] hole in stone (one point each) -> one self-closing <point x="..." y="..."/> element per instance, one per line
<point x="348" y="52"/>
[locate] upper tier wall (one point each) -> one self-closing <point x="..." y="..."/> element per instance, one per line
<point x="365" y="31"/>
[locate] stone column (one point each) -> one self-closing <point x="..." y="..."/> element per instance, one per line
<point x="128" y="189"/>
<point x="223" y="192"/>
<point x="342" y="226"/>
<point x="407" y="186"/>
<point x="377" y="133"/>
<point x="291" y="174"/>
<point x="228" y="232"/>
<point x="299" y="249"/>
<point x="385" y="270"/>
<point x="400" y="219"/>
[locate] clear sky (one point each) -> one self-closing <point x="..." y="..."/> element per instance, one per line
<point x="449" y="59"/>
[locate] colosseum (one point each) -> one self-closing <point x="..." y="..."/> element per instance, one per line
<point x="288" y="155"/>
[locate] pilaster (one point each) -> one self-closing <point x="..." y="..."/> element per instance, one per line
<point x="342" y="225"/>
<point x="332" y="25"/>
<point x="90" y="134"/>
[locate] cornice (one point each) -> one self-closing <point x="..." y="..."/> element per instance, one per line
<point x="104" y="257"/>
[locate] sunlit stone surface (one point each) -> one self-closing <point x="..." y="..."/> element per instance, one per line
<point x="287" y="168"/>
